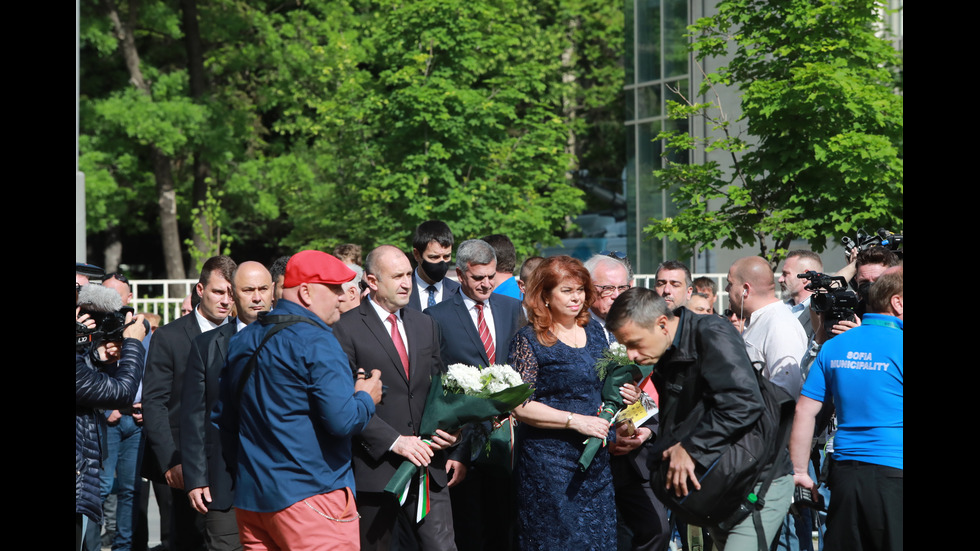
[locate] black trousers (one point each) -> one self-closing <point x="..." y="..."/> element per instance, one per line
<point x="866" y="507"/>
<point x="386" y="526"/>
<point x="639" y="509"/>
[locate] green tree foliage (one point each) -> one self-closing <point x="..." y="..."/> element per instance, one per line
<point x="302" y="71"/>
<point x="325" y="122"/>
<point x="138" y="122"/>
<point x="461" y="125"/>
<point x="590" y="34"/>
<point x="819" y="100"/>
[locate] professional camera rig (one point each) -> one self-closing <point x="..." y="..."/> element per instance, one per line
<point x="831" y="297"/>
<point x="883" y="238"/>
<point x="109" y="327"/>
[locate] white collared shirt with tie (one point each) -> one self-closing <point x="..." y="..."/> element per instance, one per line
<point x="423" y="288"/>
<point x="487" y="318"/>
<point x="383" y="315"/>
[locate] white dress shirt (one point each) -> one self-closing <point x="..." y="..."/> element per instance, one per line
<point x="487" y="317"/>
<point x="383" y="315"/>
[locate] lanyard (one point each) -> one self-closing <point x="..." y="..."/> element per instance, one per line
<point x="881" y="322"/>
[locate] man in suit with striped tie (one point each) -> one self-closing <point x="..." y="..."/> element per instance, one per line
<point x="476" y="327"/>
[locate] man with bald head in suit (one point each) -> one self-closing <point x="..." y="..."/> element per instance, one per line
<point x="207" y="479"/>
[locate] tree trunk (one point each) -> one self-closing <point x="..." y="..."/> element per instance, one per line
<point x="570" y="93"/>
<point x="167" y="201"/>
<point x="112" y="250"/>
<point x="166" y="194"/>
<point x="201" y="234"/>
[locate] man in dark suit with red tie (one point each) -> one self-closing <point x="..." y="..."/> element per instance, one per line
<point x="476" y="328"/>
<point x="403" y="344"/>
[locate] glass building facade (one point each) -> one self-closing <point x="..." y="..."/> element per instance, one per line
<point x="657" y="70"/>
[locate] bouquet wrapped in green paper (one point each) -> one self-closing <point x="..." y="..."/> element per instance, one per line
<point x="615" y="369"/>
<point x="465" y="394"/>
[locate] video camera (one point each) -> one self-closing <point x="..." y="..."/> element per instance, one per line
<point x="105" y="307"/>
<point x="831" y="298"/>
<point x="884" y="238"/>
<point x="109" y="327"/>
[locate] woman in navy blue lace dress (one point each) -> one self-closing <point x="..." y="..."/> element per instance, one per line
<point x="560" y="507"/>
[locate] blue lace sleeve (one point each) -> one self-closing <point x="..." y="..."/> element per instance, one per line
<point x="523" y="360"/>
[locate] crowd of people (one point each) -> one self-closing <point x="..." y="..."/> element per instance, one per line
<point x="274" y="412"/>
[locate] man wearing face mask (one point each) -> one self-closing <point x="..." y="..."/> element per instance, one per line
<point x="432" y="246"/>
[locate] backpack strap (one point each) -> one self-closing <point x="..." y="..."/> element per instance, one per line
<point x="786" y="413"/>
<point x="279" y="323"/>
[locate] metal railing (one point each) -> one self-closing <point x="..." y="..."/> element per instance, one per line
<point x="153" y="295"/>
<point x="721" y="280"/>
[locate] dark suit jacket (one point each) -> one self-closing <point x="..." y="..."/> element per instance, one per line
<point x="632" y="467"/>
<point x="200" y="443"/>
<point x="162" y="386"/>
<point x="459" y="339"/>
<point x="449" y="289"/>
<point x="367" y="342"/>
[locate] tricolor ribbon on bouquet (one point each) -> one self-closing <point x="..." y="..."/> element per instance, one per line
<point x="450" y="409"/>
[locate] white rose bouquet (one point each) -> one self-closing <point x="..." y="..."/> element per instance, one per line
<point x="465" y="394"/>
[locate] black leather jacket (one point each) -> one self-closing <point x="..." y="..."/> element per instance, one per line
<point x="96" y="390"/>
<point x="724" y="390"/>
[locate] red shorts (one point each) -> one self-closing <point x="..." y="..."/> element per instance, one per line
<point x="324" y="521"/>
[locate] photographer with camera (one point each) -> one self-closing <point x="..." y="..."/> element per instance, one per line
<point x="798" y="262"/>
<point x="108" y="368"/>
<point x="121" y="464"/>
<point x="843" y="309"/>
<point x="861" y="372"/>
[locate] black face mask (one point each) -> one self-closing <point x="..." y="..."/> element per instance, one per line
<point x="435" y="270"/>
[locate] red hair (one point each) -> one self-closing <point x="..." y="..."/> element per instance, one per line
<point x="545" y="278"/>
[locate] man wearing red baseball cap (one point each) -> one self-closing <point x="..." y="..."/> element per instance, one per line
<point x="293" y="412"/>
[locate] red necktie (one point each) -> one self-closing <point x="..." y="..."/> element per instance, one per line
<point x="485" y="336"/>
<point x="396" y="337"/>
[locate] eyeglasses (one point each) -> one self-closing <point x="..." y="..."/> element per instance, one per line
<point x="608" y="290"/>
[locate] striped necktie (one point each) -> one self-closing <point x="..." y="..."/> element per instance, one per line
<point x="485" y="335"/>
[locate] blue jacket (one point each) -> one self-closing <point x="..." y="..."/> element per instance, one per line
<point x="297" y="414"/>
<point x="95" y="388"/>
